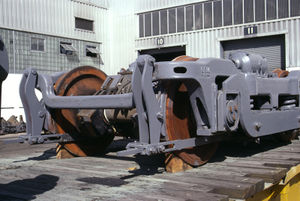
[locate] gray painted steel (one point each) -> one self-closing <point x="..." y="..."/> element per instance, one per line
<point x="4" y="67"/>
<point x="236" y="93"/>
<point x="271" y="47"/>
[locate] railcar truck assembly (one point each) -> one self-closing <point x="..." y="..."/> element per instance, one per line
<point x="184" y="107"/>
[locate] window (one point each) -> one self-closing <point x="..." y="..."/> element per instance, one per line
<point x="180" y="19"/>
<point x="148" y="24"/>
<point x="259" y="10"/>
<point x="283" y="10"/>
<point x="66" y="48"/>
<point x="172" y="21"/>
<point x="198" y="16"/>
<point x="163" y="21"/>
<point x="214" y="13"/>
<point x="271" y="9"/>
<point x="227" y="12"/>
<point x="207" y="15"/>
<point x="155" y="23"/>
<point x="217" y="13"/>
<point x="84" y="24"/>
<point x="38" y="44"/>
<point x="141" y="25"/>
<point x="189" y="15"/>
<point x="91" y="51"/>
<point x="238" y="11"/>
<point x="295" y="8"/>
<point x="248" y="10"/>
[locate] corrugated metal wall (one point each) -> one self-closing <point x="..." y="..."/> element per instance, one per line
<point x="21" y="57"/>
<point x="206" y="43"/>
<point x="55" y="17"/>
<point x="271" y="47"/>
<point x="147" y="5"/>
<point x="116" y="27"/>
<point x="121" y="32"/>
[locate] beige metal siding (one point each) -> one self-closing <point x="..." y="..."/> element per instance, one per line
<point x="206" y="43"/>
<point x="120" y="33"/>
<point x="147" y="5"/>
<point x="53" y="17"/>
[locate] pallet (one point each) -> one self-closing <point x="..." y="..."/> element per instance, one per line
<point x="236" y="172"/>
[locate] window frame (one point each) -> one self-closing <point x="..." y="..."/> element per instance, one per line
<point x="88" y="20"/>
<point x="92" y="55"/>
<point x="38" y="39"/>
<point x="67" y="51"/>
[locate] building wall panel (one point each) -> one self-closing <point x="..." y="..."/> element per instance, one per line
<point x="119" y="36"/>
<point x="206" y="43"/>
<point x="50" y="60"/>
<point x="147" y="5"/>
<point x="55" y="17"/>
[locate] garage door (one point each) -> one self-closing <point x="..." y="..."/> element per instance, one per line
<point x="271" y="47"/>
<point x="165" y="54"/>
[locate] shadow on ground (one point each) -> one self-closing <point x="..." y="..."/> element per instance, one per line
<point x="242" y="149"/>
<point x="27" y="189"/>
<point x="146" y="165"/>
<point x="44" y="156"/>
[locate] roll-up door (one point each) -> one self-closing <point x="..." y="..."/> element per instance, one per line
<point x="271" y="47"/>
<point x="165" y="54"/>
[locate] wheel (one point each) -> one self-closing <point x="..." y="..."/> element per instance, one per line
<point x="81" y="81"/>
<point x="180" y="123"/>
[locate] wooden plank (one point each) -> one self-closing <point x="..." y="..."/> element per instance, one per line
<point x="268" y="162"/>
<point x="290" y="149"/>
<point x="281" y="155"/>
<point x="269" y="175"/>
<point x="193" y="195"/>
<point x="249" y="164"/>
<point x="79" y="166"/>
<point x="278" y="156"/>
<point x="108" y="177"/>
<point x="8" y="195"/>
<point x="27" y="188"/>
<point x="182" y="186"/>
<point x="228" y="186"/>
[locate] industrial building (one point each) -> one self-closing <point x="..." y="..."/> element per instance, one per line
<point x="51" y="36"/>
<point x="215" y="28"/>
<point x="59" y="35"/>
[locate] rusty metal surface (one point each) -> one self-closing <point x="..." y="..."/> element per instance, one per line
<point x="12" y="125"/>
<point x="281" y="73"/>
<point x="180" y="123"/>
<point x="80" y="81"/>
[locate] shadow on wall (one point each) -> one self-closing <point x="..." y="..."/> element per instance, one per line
<point x="27" y="189"/>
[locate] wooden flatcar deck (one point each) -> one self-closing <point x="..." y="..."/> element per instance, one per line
<point x="236" y="172"/>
